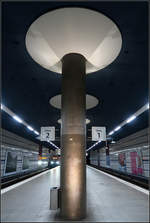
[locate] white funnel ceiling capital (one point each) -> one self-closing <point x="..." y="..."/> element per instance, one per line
<point x="73" y="30"/>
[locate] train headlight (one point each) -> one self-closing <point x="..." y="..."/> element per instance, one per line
<point x="52" y="162"/>
<point x="39" y="162"/>
<point x="57" y="162"/>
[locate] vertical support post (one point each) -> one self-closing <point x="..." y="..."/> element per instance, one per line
<point x="98" y="154"/>
<point x="73" y="131"/>
<point x="49" y="157"/>
<point x="40" y="151"/>
<point x="107" y="154"/>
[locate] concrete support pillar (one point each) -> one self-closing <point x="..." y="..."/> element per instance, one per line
<point x="73" y="157"/>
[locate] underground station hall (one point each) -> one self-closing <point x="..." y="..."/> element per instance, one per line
<point x="74" y="111"/>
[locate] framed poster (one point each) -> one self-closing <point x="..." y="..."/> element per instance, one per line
<point x="136" y="162"/>
<point x="122" y="162"/>
<point x="11" y="162"/>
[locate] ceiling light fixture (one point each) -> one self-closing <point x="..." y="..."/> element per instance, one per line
<point x="1" y="107"/>
<point x="113" y="142"/>
<point x="17" y="119"/>
<point x="111" y="132"/>
<point x="131" y="119"/>
<point x="116" y="129"/>
<point x="14" y="116"/>
<point x="135" y="115"/>
<point x="30" y="128"/>
<point x="36" y="132"/>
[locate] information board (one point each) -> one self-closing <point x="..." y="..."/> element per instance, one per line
<point x="48" y="133"/>
<point x="98" y="133"/>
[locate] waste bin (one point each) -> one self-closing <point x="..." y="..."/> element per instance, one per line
<point x="54" y="198"/>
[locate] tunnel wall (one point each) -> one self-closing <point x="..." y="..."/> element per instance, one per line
<point x="129" y="155"/>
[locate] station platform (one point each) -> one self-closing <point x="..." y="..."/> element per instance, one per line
<point x="109" y="199"/>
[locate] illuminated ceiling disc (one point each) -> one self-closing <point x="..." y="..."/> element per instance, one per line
<point x="73" y="30"/>
<point x="87" y="121"/>
<point x="91" y="101"/>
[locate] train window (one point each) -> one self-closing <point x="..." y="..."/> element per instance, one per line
<point x="25" y="164"/>
<point x="11" y="162"/>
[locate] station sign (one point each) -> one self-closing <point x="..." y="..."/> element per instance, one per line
<point x="48" y="133"/>
<point x="98" y="133"/>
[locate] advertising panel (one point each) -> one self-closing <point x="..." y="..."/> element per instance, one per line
<point x="122" y="162"/>
<point x="136" y="162"/>
<point x="25" y="164"/>
<point x="11" y="163"/>
<point x="107" y="160"/>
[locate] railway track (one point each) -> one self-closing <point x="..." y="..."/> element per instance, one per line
<point x="139" y="181"/>
<point x="8" y="181"/>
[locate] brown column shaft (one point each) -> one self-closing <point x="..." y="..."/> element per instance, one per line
<point x="73" y="157"/>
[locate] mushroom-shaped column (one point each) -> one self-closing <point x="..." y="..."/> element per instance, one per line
<point x="73" y="42"/>
<point x="73" y="171"/>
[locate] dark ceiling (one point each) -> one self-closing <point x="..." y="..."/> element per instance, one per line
<point x="121" y="87"/>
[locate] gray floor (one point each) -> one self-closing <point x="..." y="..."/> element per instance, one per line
<point x="107" y="200"/>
